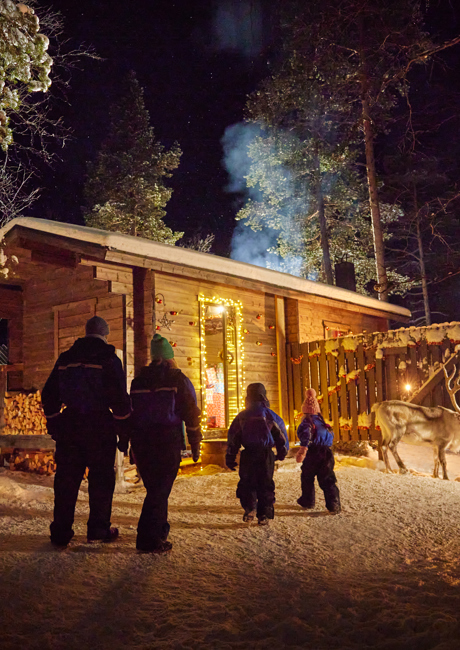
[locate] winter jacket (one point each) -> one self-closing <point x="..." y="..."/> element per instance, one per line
<point x="314" y="432"/>
<point x="255" y="428"/>
<point x="162" y="398"/>
<point x="89" y="380"/>
<point x="280" y="422"/>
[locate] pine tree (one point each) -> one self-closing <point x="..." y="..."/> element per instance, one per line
<point x="24" y="62"/>
<point x="125" y="191"/>
<point x="424" y="242"/>
<point x="367" y="48"/>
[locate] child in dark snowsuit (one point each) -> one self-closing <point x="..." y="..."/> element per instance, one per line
<point x="257" y="431"/>
<point x="318" y="460"/>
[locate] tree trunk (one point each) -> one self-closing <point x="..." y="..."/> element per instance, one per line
<point x="377" y="231"/>
<point x="426" y="300"/>
<point x="323" y="224"/>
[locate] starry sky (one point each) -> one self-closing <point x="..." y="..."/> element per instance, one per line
<point x="197" y="60"/>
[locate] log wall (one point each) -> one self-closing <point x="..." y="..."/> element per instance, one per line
<point x="315" y="313"/>
<point x="181" y="295"/>
<point x="57" y="303"/>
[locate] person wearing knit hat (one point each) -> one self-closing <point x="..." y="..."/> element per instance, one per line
<point x="257" y="430"/>
<point x="310" y="404"/>
<point x="161" y="348"/>
<point x="88" y="380"/>
<point x="315" y="454"/>
<point x="97" y="326"/>
<point x="163" y="399"/>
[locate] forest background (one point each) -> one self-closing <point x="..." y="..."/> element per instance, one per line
<point x="204" y="68"/>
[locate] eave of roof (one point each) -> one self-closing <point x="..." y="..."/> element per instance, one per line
<point x="205" y="261"/>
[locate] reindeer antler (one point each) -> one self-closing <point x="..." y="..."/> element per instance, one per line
<point x="452" y="390"/>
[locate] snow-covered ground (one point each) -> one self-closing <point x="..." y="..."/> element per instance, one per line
<point x="383" y="574"/>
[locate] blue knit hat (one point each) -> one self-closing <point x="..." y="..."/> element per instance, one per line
<point x="160" y="348"/>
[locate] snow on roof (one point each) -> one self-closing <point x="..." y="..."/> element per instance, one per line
<point x="202" y="261"/>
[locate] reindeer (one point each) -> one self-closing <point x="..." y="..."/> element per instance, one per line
<point x="437" y="425"/>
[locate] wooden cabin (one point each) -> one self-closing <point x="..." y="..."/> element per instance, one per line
<point x="229" y="322"/>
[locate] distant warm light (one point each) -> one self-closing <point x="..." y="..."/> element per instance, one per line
<point x="408" y="387"/>
<point x="220" y="309"/>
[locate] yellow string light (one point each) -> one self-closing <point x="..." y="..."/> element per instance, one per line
<point x="238" y="306"/>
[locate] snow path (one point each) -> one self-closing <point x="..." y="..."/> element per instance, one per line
<point x="383" y="574"/>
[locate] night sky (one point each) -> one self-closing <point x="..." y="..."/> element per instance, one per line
<point x="196" y="61"/>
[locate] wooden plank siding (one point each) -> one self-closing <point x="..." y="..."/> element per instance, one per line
<point x="180" y="294"/>
<point x="311" y="317"/>
<point x="57" y="303"/>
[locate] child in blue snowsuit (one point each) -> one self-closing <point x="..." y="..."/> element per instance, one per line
<point x="316" y="439"/>
<point x="257" y="430"/>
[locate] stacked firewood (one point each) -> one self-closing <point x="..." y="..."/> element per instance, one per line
<point x="24" y="414"/>
<point x="41" y="462"/>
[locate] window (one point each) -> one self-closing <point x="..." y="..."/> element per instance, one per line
<point x="221" y="356"/>
<point x="335" y="330"/>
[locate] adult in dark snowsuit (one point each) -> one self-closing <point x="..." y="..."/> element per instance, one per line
<point x="257" y="430"/>
<point x="316" y="456"/>
<point x="88" y="379"/>
<point x="162" y="399"/>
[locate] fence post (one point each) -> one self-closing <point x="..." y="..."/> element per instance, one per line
<point x="344" y="433"/>
<point x="332" y="361"/>
<point x="353" y="397"/>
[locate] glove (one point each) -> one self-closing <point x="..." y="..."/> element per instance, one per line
<point x="300" y="456"/>
<point x="281" y="455"/>
<point x="123" y="431"/>
<point x="123" y="444"/>
<point x="54" y="427"/>
<point x="196" y="452"/>
<point x="231" y="463"/>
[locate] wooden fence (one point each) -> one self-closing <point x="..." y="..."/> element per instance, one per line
<point x="350" y="374"/>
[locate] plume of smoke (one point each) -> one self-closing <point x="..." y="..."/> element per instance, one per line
<point x="257" y="246"/>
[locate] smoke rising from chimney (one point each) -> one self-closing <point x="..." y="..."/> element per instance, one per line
<point x="253" y="246"/>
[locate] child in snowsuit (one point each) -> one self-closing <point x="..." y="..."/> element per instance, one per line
<point x="257" y="431"/>
<point x="318" y="460"/>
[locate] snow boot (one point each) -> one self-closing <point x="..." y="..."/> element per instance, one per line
<point x="263" y="521"/>
<point x="110" y="536"/>
<point x="61" y="542"/>
<point x="249" y="515"/>
<point x="160" y="549"/>
<point x="303" y="504"/>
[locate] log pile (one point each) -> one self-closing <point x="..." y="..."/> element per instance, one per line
<point x="24" y="415"/>
<point x="40" y="462"/>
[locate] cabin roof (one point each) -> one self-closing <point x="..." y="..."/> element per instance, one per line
<point x="137" y="246"/>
